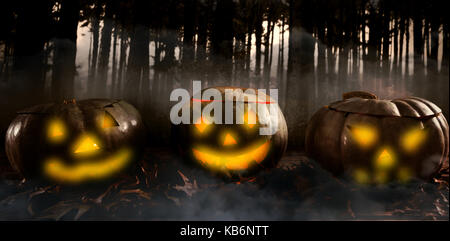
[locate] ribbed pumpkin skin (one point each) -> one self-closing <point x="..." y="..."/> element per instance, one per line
<point x="27" y="143"/>
<point x="186" y="138"/>
<point x="330" y="141"/>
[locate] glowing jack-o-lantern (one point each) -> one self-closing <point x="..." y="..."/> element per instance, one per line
<point x="234" y="150"/>
<point x="378" y="141"/>
<point x="74" y="141"/>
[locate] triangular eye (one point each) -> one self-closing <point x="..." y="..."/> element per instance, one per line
<point x="109" y="121"/>
<point x="56" y="130"/>
<point x="413" y="139"/>
<point x="364" y="135"/>
<point x="201" y="124"/>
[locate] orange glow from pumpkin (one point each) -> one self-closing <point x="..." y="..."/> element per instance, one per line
<point x="232" y="161"/>
<point x="412" y="139"/>
<point x="108" y="121"/>
<point x="86" y="144"/>
<point x="201" y="124"/>
<point x="229" y="140"/>
<point x="381" y="177"/>
<point x="404" y="174"/>
<point x="361" y="176"/>
<point x="365" y="135"/>
<point x="385" y="160"/>
<point x="56" y="130"/>
<point x="250" y="119"/>
<point x="57" y="170"/>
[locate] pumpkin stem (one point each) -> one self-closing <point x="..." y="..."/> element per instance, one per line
<point x="359" y="94"/>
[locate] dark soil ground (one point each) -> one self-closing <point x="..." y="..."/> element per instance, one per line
<point x="163" y="188"/>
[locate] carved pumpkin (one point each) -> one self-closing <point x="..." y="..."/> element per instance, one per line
<point x="74" y="142"/>
<point x="234" y="151"/>
<point x="378" y="141"/>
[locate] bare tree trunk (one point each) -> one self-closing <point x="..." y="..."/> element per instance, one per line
<point x="31" y="29"/>
<point x="363" y="44"/>
<point x="271" y="55"/>
<point x="402" y="35"/>
<point x="202" y="32"/>
<point x="136" y="63"/>
<point x="188" y="31"/>
<point x="64" y="69"/>
<point x="266" y="53"/>
<point x="433" y="57"/>
<point x="258" y="37"/>
<point x="281" y="51"/>
<point x="145" y="78"/>
<point x="445" y="47"/>
<point x="407" y="38"/>
<point x="300" y="69"/>
<point x="122" y="60"/>
<point x="105" y="48"/>
<point x="95" y="28"/>
<point x="280" y="74"/>
<point x="156" y="68"/>
<point x="400" y="55"/>
<point x="418" y="54"/>
<point x="321" y="58"/>
<point x="239" y="58"/>
<point x="433" y="78"/>
<point x="343" y="67"/>
<point x="395" y="57"/>
<point x="114" y="62"/>
<point x="386" y="45"/>
<point x="248" y="51"/>
<point x="371" y="60"/>
<point x="355" y="48"/>
<point x="222" y="41"/>
<point x="138" y="58"/>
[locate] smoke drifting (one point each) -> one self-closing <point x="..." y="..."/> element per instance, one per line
<point x="166" y="189"/>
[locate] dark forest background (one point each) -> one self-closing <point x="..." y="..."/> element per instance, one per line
<point x="311" y="50"/>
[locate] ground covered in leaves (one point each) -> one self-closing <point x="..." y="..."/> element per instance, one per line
<point x="166" y="189"/>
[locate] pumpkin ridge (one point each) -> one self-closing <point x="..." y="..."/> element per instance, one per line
<point x="367" y="106"/>
<point x="410" y="108"/>
<point x="430" y="105"/>
<point x="444" y="125"/>
<point x="426" y="117"/>
<point x="396" y="107"/>
<point x="442" y="133"/>
<point x="112" y="103"/>
<point x="422" y="108"/>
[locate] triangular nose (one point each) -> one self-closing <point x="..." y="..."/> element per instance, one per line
<point x="86" y="144"/>
<point x="385" y="160"/>
<point x="229" y="140"/>
<point x="56" y="131"/>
